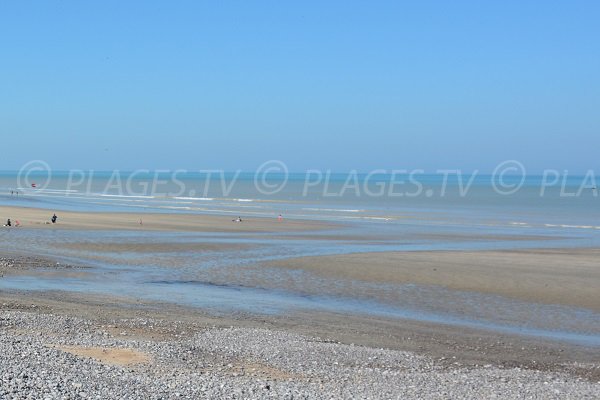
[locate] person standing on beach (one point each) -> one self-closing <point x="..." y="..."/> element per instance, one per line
<point x="8" y="223"/>
<point x="54" y="218"/>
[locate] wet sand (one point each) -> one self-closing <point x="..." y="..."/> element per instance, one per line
<point x="550" y="276"/>
<point x="451" y="347"/>
<point x="146" y="248"/>
<point x="40" y="219"/>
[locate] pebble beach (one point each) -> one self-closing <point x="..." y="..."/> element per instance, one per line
<point x="48" y="356"/>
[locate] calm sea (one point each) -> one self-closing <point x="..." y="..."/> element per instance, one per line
<point x="395" y="212"/>
<point x="570" y="202"/>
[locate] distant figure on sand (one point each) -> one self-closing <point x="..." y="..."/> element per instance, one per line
<point x="8" y="223"/>
<point x="54" y="218"/>
<point x="280" y="218"/>
<point x="238" y="219"/>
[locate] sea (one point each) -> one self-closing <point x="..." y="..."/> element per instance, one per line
<point x="390" y="210"/>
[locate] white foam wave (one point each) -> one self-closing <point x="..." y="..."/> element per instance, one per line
<point x="126" y="196"/>
<point x="42" y="190"/>
<point x="333" y="210"/>
<point x="572" y="226"/>
<point x="195" y="198"/>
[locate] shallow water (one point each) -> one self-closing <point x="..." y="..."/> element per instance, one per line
<point x="224" y="279"/>
<point x="230" y="275"/>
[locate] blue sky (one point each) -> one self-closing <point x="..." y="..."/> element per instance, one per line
<point x="340" y="85"/>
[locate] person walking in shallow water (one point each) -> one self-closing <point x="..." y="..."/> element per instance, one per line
<point x="8" y="223"/>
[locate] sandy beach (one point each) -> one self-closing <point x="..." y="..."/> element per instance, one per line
<point x="551" y="276"/>
<point x="40" y="219"/>
<point x="245" y="354"/>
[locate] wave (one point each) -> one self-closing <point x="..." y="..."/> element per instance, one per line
<point x="42" y="190"/>
<point x="579" y="226"/>
<point x="572" y="226"/>
<point x="195" y="198"/>
<point x="126" y="196"/>
<point x="332" y="209"/>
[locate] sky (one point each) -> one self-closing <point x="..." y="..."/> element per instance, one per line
<point x="337" y="85"/>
